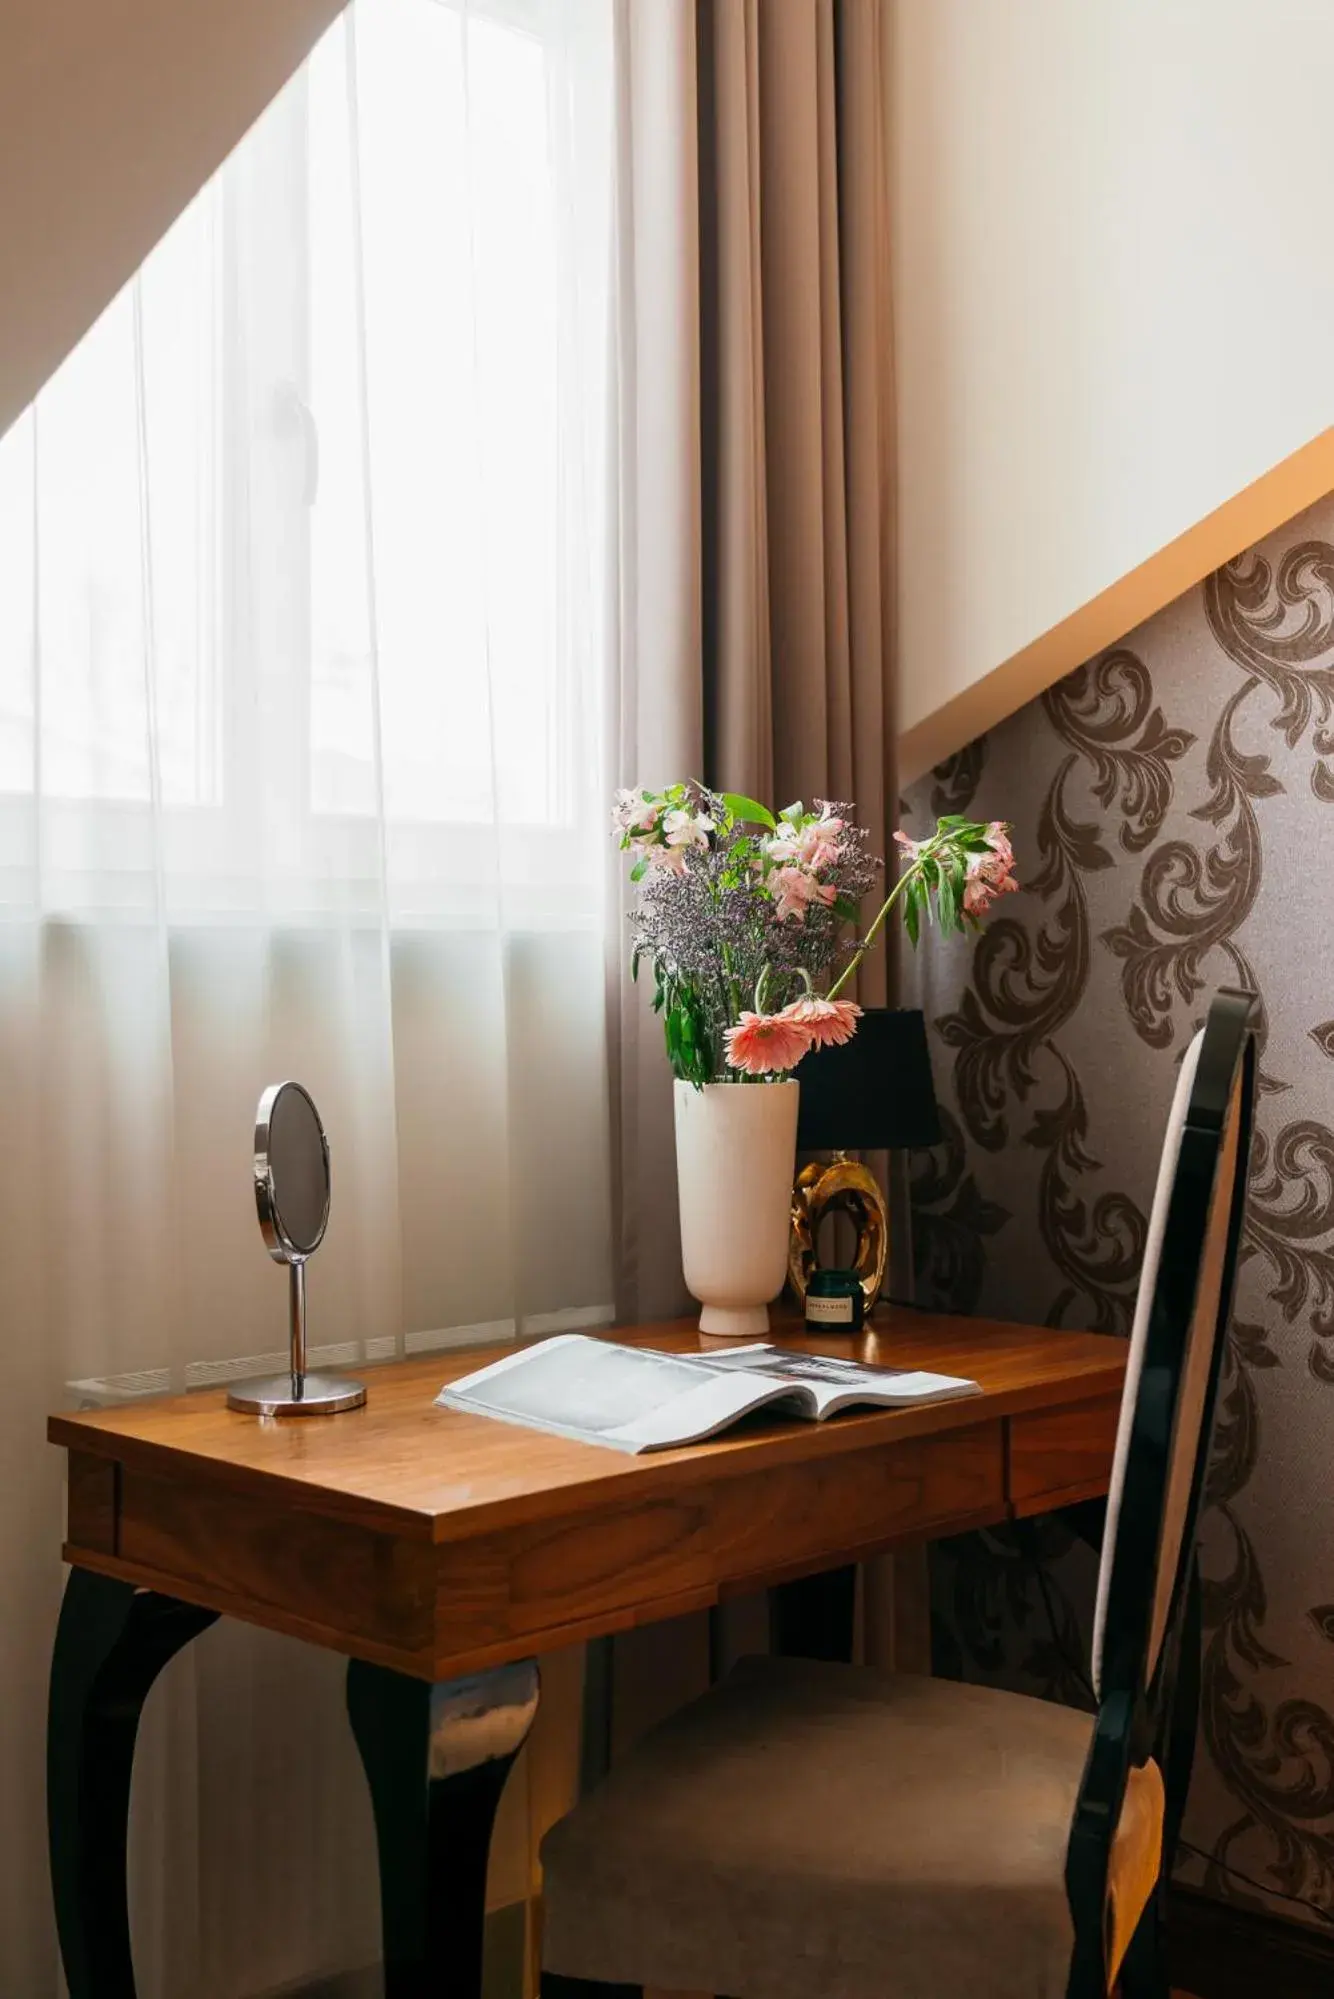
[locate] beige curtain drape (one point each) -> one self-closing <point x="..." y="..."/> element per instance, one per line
<point x="656" y="728"/>
<point x="753" y="607"/>
<point x="797" y="405"/>
<point x="754" y="523"/>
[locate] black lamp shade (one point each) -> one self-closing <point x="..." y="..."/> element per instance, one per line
<point x="874" y="1092"/>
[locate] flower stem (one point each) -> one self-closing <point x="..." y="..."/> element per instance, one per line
<point x="868" y="940"/>
<point x="731" y="989"/>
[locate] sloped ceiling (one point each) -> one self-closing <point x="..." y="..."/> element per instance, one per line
<point x="113" y="113"/>
<point x="1279" y="495"/>
<point x="1114" y="317"/>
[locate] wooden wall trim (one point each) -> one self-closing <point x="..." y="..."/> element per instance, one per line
<point x="1222" y="1950"/>
<point x="1289" y="487"/>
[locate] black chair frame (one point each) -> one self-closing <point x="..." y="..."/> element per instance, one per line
<point x="1151" y="1709"/>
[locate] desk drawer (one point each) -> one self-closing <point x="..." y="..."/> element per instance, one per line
<point x="1057" y="1456"/>
<point x="713" y="1537"/>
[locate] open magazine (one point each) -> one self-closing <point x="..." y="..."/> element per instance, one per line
<point x="636" y="1399"/>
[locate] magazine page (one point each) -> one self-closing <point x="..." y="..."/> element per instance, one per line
<point x="835" y="1383"/>
<point x="629" y="1398"/>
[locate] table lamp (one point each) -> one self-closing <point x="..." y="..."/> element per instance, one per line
<point x="874" y="1093"/>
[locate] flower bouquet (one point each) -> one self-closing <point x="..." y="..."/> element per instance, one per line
<point x="750" y="922"/>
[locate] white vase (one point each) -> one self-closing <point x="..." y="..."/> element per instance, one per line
<point x="736" y="1150"/>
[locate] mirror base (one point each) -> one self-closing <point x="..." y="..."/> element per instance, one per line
<point x="321" y="1395"/>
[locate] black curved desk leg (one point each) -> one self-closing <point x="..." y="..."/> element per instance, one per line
<point x="112" y="1641"/>
<point x="436" y="1759"/>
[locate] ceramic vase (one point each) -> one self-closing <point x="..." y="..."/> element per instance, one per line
<point x="736" y="1149"/>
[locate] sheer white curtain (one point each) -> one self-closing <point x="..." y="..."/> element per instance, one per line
<point x="301" y="669"/>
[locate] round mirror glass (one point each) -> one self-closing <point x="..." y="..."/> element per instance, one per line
<point x="291" y="1172"/>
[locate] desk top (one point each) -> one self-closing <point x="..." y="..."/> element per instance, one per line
<point x="406" y="1467"/>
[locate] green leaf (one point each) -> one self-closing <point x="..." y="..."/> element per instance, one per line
<point x="922" y="896"/>
<point x="910" y="918"/>
<point x="846" y="908"/>
<point x="748" y="809"/>
<point x="639" y="870"/>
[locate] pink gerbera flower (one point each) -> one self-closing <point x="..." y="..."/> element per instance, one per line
<point x="765" y="1044"/>
<point x="828" y="1022"/>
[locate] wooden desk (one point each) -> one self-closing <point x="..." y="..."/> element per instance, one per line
<point x="430" y="1546"/>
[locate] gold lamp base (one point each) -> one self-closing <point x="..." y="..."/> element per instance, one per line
<point x="822" y="1188"/>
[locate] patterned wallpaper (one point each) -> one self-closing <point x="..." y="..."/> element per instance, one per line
<point x="1173" y="803"/>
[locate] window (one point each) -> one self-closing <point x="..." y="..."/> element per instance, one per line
<point x="299" y="550"/>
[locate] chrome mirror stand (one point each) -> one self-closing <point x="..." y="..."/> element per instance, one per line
<point x="292" y="1186"/>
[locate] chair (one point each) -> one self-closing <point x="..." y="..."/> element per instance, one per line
<point x="813" y="1829"/>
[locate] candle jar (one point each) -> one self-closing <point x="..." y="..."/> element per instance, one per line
<point x="834" y="1302"/>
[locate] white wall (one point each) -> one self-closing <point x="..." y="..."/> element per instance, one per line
<point x="1114" y="266"/>
<point x="113" y="113"/>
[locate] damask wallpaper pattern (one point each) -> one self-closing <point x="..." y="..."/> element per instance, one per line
<point x="1173" y="803"/>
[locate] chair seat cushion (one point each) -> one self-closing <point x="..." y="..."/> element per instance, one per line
<point x="809" y="1829"/>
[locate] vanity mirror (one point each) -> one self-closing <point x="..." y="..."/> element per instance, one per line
<point x="292" y="1195"/>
